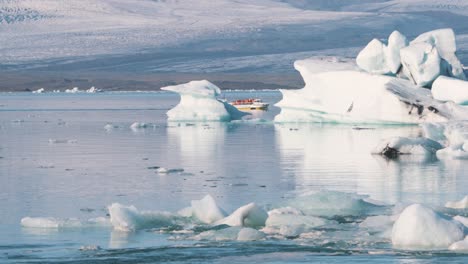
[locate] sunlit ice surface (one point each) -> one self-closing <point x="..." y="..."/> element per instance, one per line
<point x="70" y="156"/>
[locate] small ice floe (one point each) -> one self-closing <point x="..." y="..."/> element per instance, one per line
<point x="40" y="90"/>
<point x="48" y="166"/>
<point x="17" y="121"/>
<point x="396" y="146"/>
<point x="291" y="222"/>
<point x="63" y="141"/>
<point x="231" y="234"/>
<point x="162" y="170"/>
<point x="462" y="204"/>
<point x="93" y="90"/>
<point x="129" y="218"/>
<point x="419" y="227"/>
<point x="138" y="125"/>
<point x="110" y="126"/>
<point x="90" y="248"/>
<point x="56" y="223"/>
<point x="73" y="90"/>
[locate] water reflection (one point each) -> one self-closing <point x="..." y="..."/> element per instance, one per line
<point x="338" y="158"/>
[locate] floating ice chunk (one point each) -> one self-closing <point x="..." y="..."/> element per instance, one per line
<point x="450" y="89"/>
<point x="206" y="210"/>
<point x="421" y="63"/>
<point x="110" y="126"/>
<point x="40" y="90"/>
<point x="455" y="137"/>
<point x="162" y="170"/>
<point x="128" y="218"/>
<point x="420" y="227"/>
<point x="55" y="223"/>
<point x="396" y="146"/>
<point x="90" y="248"/>
<point x="249" y="215"/>
<point x="460" y="245"/>
<point x="231" y="234"/>
<point x="444" y="41"/>
<point x="373" y="58"/>
<point x="291" y="222"/>
<point x="138" y="125"/>
<point x="62" y="141"/>
<point x="462" y="204"/>
<point x="198" y="102"/>
<point x="93" y="90"/>
<point x="73" y="90"/>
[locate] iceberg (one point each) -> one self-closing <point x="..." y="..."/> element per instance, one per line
<point x="198" y="102"/>
<point x="450" y="89"/>
<point x="419" y="227"/>
<point x="359" y="97"/>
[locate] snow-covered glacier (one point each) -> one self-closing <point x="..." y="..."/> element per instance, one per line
<point x="198" y="102"/>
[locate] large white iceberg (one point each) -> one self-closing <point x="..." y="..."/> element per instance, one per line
<point x="419" y="227"/>
<point x="198" y="102"/>
<point x="450" y="89"/>
<point x="359" y="97"/>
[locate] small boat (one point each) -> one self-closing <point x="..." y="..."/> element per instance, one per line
<point x="249" y="104"/>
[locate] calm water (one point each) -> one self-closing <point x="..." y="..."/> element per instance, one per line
<point x="58" y="160"/>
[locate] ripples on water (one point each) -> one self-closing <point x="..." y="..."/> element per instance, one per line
<point x="58" y="160"/>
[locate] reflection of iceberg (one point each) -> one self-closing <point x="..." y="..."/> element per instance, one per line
<point x="338" y="158"/>
<point x="198" y="103"/>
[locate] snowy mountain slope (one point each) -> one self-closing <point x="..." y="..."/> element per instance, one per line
<point x="175" y="35"/>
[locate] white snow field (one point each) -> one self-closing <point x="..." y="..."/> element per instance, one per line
<point x="205" y="35"/>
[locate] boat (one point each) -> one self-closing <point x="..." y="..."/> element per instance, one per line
<point x="249" y="104"/>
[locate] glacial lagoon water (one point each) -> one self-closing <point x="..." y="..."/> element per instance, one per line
<point x="58" y="160"/>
